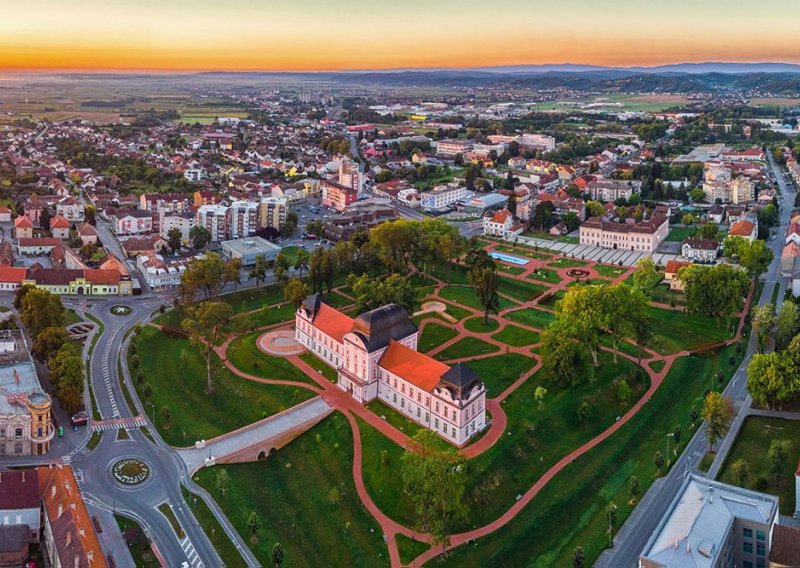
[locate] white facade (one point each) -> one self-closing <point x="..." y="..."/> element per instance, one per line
<point x="442" y="196"/>
<point x="376" y="361"/>
<point x="214" y="218"/>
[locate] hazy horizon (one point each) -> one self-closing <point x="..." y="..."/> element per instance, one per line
<point x="339" y="35"/>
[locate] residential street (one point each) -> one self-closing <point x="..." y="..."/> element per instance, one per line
<point x="632" y="537"/>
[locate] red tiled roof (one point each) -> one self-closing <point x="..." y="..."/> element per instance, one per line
<point x="332" y="322"/>
<point x="674" y="265"/>
<point x="19" y="489"/>
<point x="59" y="222"/>
<point x="39" y="242"/>
<point x="413" y="366"/>
<point x="23" y="222"/>
<point x="102" y="277"/>
<point x="12" y="274"/>
<point x="742" y="229"/>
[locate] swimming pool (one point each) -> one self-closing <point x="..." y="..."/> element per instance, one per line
<point x="508" y="258"/>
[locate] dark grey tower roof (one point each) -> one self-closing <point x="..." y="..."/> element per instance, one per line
<point x="379" y="326"/>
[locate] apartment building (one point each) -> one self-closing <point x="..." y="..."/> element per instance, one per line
<point x="442" y="196"/>
<point x="272" y="212"/>
<point x="215" y="219"/>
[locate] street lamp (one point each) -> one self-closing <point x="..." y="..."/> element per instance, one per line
<point x="153" y="407"/>
<point x="670" y="435"/>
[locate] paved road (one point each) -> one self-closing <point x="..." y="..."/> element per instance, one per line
<point x="634" y="534"/>
<point x="167" y="471"/>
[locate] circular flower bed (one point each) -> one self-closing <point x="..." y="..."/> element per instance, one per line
<point x="120" y="310"/>
<point x="130" y="471"/>
<point x="577" y="273"/>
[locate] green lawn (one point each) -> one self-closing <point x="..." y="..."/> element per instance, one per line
<point x="449" y="272"/>
<point x="290" y="253"/>
<point x="752" y="446"/>
<point x="467" y="347"/>
<point x="570" y="510"/>
<point x="532" y="317"/>
<point x="476" y="324"/>
<point x="433" y="335"/>
<point x="677" y="331"/>
<point x="326" y="370"/>
<point x="498" y="372"/>
<point x="71" y="317"/>
<point x="534" y="440"/>
<point x="410" y="548"/>
<point x="545" y="275"/>
<point x="467" y="297"/>
<point x="522" y="250"/>
<point x="516" y="336"/>
<point x="246" y="356"/>
<point x="305" y="496"/>
<point x="196" y="415"/>
<point x="564" y="262"/>
<point x="609" y="271"/>
<point x="678" y="234"/>
<point x="657" y="366"/>
<point x="522" y="290"/>
<point x="139" y="547"/>
<point x="210" y="525"/>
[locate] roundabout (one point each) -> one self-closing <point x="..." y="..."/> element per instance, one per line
<point x="120" y="310"/>
<point x="130" y="471"/>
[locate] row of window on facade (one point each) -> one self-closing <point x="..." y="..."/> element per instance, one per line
<point x="17" y="433"/>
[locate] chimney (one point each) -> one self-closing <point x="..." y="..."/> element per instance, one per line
<point x="69" y="537"/>
<point x="90" y="556"/>
<point x="60" y="510"/>
<point x="52" y="491"/>
<point x="82" y="531"/>
<point x="77" y="561"/>
<point x="23" y="476"/>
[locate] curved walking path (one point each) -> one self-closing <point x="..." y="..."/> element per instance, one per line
<point x="351" y="409"/>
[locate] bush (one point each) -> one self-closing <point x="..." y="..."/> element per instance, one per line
<point x="762" y="484"/>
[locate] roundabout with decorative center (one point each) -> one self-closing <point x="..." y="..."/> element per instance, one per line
<point x="120" y="310"/>
<point x="130" y="471"/>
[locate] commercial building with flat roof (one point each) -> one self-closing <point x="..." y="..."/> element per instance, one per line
<point x="249" y="249"/>
<point x="713" y="525"/>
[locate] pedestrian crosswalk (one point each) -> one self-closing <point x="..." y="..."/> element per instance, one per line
<point x="191" y="553"/>
<point x="119" y="423"/>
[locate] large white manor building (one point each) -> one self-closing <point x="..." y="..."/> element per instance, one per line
<point x="376" y="356"/>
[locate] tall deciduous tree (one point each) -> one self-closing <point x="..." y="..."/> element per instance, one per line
<point x="718" y="413"/>
<point x="768" y="379"/>
<point x="295" y="291"/>
<point x="564" y="360"/>
<point x="715" y="291"/>
<point x="755" y="257"/>
<point x="40" y="309"/>
<point x="764" y="321"/>
<point x="646" y="277"/>
<point x="486" y="283"/>
<point x="209" y="274"/>
<point x="435" y="482"/>
<point x="174" y="236"/>
<point x="787" y="324"/>
<point x="778" y="455"/>
<point x="280" y="267"/>
<point x="205" y="323"/>
<point x="199" y="236"/>
<point x="259" y="271"/>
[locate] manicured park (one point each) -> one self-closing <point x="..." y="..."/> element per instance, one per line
<point x="331" y="522"/>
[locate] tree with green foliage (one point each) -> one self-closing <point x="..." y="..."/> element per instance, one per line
<point x="259" y="271"/>
<point x="624" y="392"/>
<point x="395" y="241"/>
<point x="611" y="515"/>
<point x="709" y="231"/>
<point x="733" y="245"/>
<point x="294" y="292"/>
<point x="435" y="481"/>
<point x="634" y="487"/>
<point x="659" y="461"/>
<point x="579" y="316"/>
<point x="66" y="373"/>
<point x="486" y="283"/>
<point x="718" y="412"/>
<point x="646" y="277"/>
<point x="564" y="360"/>
<point x="41" y="309"/>
<point x="209" y="274"/>
<point x="222" y="480"/>
<point x="538" y="396"/>
<point x="372" y="293"/>
<point x="623" y="313"/>
<point x="764" y="321"/>
<point x="277" y="555"/>
<point x="755" y="257"/>
<point x="715" y="291"/>
<point x="770" y="379"/>
<point x="200" y="237"/>
<point x="697" y="195"/>
<point x="280" y="267"/>
<point x="578" y="557"/>
<point x="778" y="454"/>
<point x="595" y="209"/>
<point x="302" y="261"/>
<point x="253" y="526"/>
<point x="174" y="237"/>
<point x="740" y="471"/>
<point x="687" y="220"/>
<point x="787" y="325"/>
<point x="48" y="341"/>
<point x="206" y="322"/>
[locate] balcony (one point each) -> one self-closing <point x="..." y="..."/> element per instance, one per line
<point x="351" y="376"/>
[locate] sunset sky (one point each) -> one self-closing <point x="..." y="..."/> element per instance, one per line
<point x="358" y="34"/>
